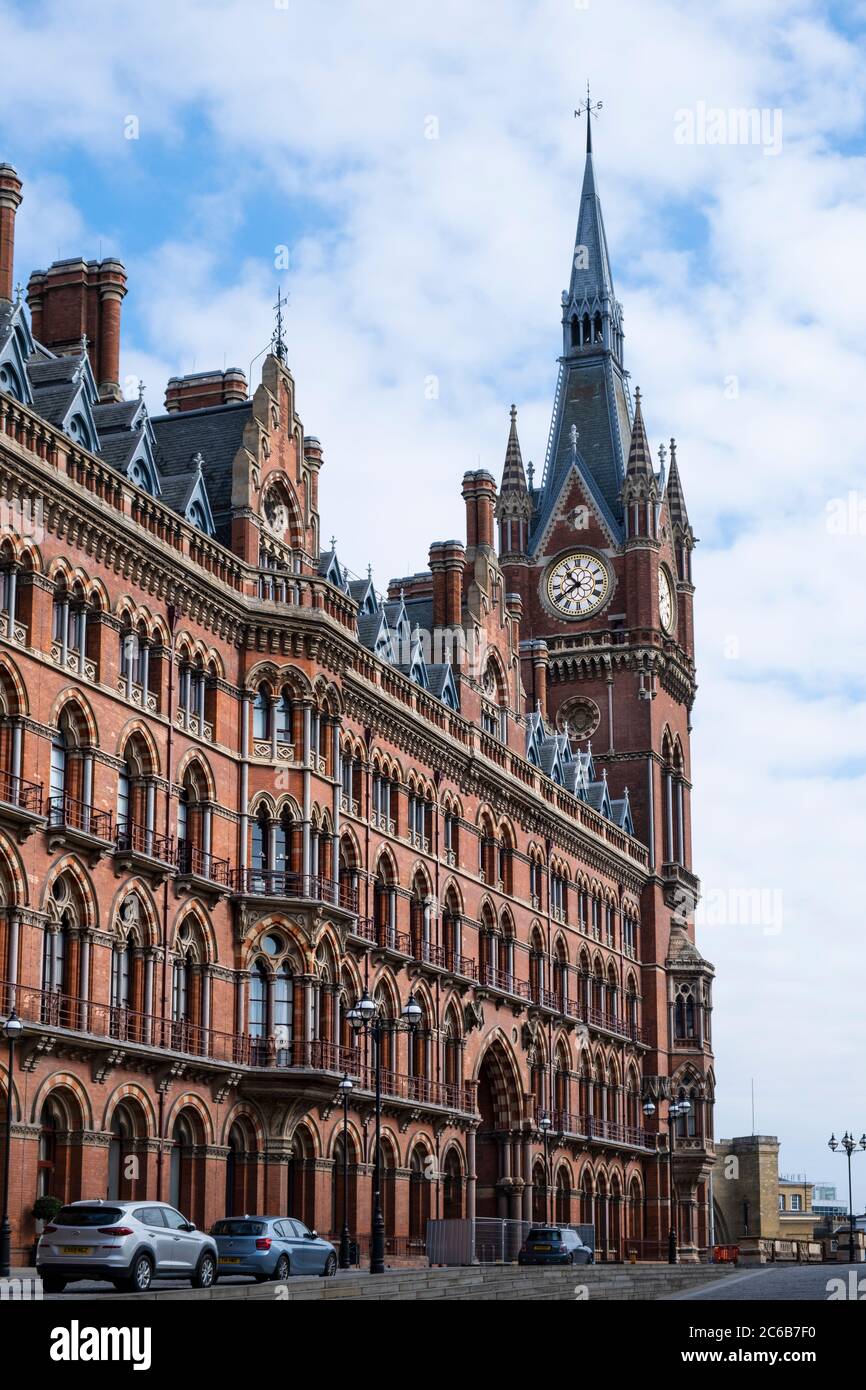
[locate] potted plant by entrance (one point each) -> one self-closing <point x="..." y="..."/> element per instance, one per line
<point x="45" y="1209"/>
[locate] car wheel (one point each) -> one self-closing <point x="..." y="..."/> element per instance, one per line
<point x="330" y="1266"/>
<point x="283" y="1269"/>
<point x="140" y="1275"/>
<point x="51" y="1284"/>
<point x="206" y="1273"/>
<point x="571" y="1257"/>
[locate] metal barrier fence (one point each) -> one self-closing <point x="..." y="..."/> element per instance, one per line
<point x="486" y="1240"/>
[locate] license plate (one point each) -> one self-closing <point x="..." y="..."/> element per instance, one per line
<point x="229" y="1260"/>
<point x="76" y="1249"/>
<point x="536" y="1248"/>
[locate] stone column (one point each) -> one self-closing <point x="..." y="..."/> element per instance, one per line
<point x="471" y="1176"/>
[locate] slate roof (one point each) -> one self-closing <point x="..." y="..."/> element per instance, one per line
<point x="117" y="449"/>
<point x="53" y="402"/>
<point x="216" y="432"/>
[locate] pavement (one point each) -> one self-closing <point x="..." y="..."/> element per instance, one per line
<point x="817" y="1283"/>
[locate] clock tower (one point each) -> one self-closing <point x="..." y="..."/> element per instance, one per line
<point x="601" y="556"/>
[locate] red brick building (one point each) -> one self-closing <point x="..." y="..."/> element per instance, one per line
<point x="239" y="788"/>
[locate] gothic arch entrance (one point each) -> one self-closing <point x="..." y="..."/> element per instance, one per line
<point x="497" y="1149"/>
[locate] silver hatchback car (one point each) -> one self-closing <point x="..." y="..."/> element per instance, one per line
<point x="128" y="1243"/>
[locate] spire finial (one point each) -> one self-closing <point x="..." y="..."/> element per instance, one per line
<point x="278" y="340"/>
<point x="140" y="389"/>
<point x="513" y="413"/>
<point x="333" y="542"/>
<point x="591" y="108"/>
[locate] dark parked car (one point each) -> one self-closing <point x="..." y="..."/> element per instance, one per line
<point x="554" y="1245"/>
<point x="271" y="1247"/>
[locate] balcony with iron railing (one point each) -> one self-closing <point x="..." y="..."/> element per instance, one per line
<point x="20" y="800"/>
<point x="136" y="842"/>
<point x="414" y="947"/>
<point x="77" y="819"/>
<point x="200" y="865"/>
<point x="505" y="982"/>
<point x="101" y="1023"/>
<point x="283" y="883"/>
<point x="604" y="1131"/>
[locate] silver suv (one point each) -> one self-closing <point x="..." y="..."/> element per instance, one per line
<point x="129" y="1243"/>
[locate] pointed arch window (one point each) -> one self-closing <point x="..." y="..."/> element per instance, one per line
<point x="121" y="975"/>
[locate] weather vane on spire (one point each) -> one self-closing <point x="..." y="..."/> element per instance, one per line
<point x="590" y="108"/>
<point x="278" y="339"/>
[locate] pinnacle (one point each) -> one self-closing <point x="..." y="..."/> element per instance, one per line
<point x="513" y="476"/>
<point x="639" y="458"/>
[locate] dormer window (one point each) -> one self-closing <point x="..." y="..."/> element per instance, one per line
<point x="78" y="432"/>
<point x="196" y="517"/>
<point x="9" y="382"/>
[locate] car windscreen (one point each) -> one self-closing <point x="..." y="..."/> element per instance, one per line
<point x="540" y="1233"/>
<point x="237" y="1228"/>
<point x="87" y="1216"/>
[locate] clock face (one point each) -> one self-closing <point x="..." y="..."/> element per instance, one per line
<point x="578" y="584"/>
<point x="666" y="601"/>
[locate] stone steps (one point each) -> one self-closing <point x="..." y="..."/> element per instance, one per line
<point x="478" y="1282"/>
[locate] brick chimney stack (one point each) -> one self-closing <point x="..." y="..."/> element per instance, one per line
<point x="201" y="389"/>
<point x="10" y="201"/>
<point x="74" y="299"/>
<point x="447" y="560"/>
<point x="479" y="492"/>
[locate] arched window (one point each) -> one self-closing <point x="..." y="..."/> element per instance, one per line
<point x="121" y="974"/>
<point x="452" y="1186"/>
<point x="9" y="575"/>
<point x="419" y="1196"/>
<point x="262" y="713"/>
<point x="284" y="717"/>
<point x="194" y="827"/>
<point x="271" y="1003"/>
<point x="452" y="933"/>
<point x="50" y="1123"/>
<point x="190" y="983"/>
<point x="121" y="1149"/>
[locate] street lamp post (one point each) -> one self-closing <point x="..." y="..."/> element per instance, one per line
<point x="850" y="1145"/>
<point x="675" y="1109"/>
<point x="366" y="1016"/>
<point x="346" y="1088"/>
<point x="544" y="1125"/>
<point x="13" y="1028"/>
